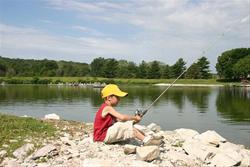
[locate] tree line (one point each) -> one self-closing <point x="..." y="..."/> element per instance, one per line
<point x="231" y="64"/>
<point x="100" y="67"/>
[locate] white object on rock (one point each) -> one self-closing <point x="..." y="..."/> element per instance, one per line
<point x="43" y="151"/>
<point x="211" y="137"/>
<point x="147" y="153"/>
<point x="22" y="152"/>
<point x="186" y="133"/>
<point x="52" y="116"/>
<point x="129" y="149"/>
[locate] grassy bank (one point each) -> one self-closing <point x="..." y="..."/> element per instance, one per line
<point x="55" y="80"/>
<point x="15" y="131"/>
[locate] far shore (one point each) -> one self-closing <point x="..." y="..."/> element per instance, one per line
<point x="132" y="81"/>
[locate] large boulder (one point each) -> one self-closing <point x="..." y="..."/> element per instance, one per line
<point x="199" y="150"/>
<point x="186" y="133"/>
<point x="211" y="137"/>
<point x="44" y="151"/>
<point x="179" y="159"/>
<point x="147" y="153"/>
<point x="245" y="157"/>
<point x="23" y="151"/>
<point x="223" y="159"/>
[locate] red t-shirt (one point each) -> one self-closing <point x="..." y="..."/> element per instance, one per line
<point x="101" y="124"/>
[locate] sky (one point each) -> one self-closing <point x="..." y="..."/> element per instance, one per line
<point x="133" y="30"/>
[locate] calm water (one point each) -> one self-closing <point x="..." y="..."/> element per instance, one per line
<point x="225" y="110"/>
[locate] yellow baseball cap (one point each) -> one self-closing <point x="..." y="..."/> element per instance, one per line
<point x="112" y="89"/>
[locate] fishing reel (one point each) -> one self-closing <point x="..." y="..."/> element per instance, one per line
<point x="140" y="112"/>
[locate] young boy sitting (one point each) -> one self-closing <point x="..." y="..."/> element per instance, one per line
<point x="110" y="126"/>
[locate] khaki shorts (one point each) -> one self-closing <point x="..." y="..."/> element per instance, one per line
<point x="119" y="131"/>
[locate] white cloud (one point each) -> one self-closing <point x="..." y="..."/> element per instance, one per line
<point x="37" y="42"/>
<point x="164" y="30"/>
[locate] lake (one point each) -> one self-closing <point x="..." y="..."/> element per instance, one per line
<point x="223" y="109"/>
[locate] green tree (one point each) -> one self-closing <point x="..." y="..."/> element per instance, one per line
<point x="178" y="68"/>
<point x="97" y="67"/>
<point x="228" y="59"/>
<point x="166" y="72"/>
<point x="122" y="69"/>
<point x="193" y="72"/>
<point x="203" y="65"/>
<point x="132" y="70"/>
<point x="3" y="68"/>
<point x="142" y="70"/>
<point x="154" y="70"/>
<point x="110" y="68"/>
<point x="242" y="67"/>
<point x="199" y="70"/>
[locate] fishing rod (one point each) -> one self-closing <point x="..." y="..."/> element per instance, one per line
<point x="142" y="112"/>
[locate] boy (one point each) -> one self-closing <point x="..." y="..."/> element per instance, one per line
<point x="110" y="126"/>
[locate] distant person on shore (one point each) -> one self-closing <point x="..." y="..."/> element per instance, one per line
<point x="110" y="126"/>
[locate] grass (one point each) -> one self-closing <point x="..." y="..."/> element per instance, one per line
<point x="45" y="80"/>
<point x="19" y="129"/>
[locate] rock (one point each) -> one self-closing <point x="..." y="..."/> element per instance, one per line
<point x="66" y="141"/>
<point x="186" y="133"/>
<point x="211" y="137"/>
<point x="153" y="127"/>
<point x="158" y="135"/>
<point x="43" y="165"/>
<point x="13" y="141"/>
<point x="10" y="163"/>
<point x="43" y="151"/>
<point x="222" y="159"/>
<point x="138" y="163"/>
<point x="180" y="159"/>
<point x="228" y="145"/>
<point x="167" y="163"/>
<point x="199" y="150"/>
<point x="147" y="153"/>
<point x="3" y="153"/>
<point x="52" y="116"/>
<point x="23" y="151"/>
<point x="95" y="162"/>
<point x="5" y="146"/>
<point x="245" y="157"/>
<point x="129" y="149"/>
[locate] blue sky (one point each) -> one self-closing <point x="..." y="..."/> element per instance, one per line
<point x="135" y="30"/>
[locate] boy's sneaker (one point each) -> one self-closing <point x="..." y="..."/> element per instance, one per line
<point x="153" y="142"/>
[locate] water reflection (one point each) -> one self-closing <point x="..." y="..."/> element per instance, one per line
<point x="234" y="104"/>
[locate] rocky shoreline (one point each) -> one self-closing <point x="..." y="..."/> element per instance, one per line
<point x="73" y="146"/>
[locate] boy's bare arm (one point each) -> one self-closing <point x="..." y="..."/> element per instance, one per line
<point x="122" y="117"/>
